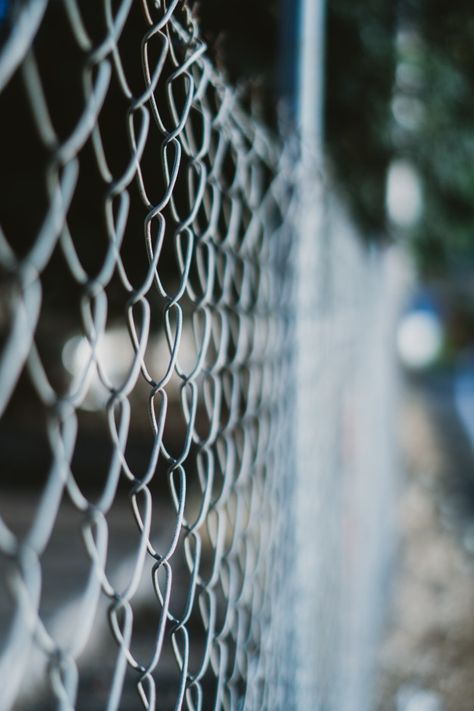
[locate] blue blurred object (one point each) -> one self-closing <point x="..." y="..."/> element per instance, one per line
<point x="420" y="334"/>
<point x="3" y="9"/>
<point x="464" y="391"/>
<point x="425" y="299"/>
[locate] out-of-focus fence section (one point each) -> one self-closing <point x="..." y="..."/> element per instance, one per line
<point x="348" y="300"/>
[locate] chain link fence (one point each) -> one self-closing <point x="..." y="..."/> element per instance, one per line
<point x="176" y="434"/>
<point x="347" y="303"/>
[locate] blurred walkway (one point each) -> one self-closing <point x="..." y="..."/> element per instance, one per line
<point x="427" y="659"/>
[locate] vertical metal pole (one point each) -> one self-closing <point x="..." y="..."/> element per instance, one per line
<point x="311" y="430"/>
<point x="310" y="80"/>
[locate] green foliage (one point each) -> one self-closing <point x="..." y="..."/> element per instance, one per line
<point x="442" y="144"/>
<point x="359" y="82"/>
<point x="399" y="83"/>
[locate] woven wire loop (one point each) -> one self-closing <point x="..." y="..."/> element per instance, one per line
<point x="145" y="261"/>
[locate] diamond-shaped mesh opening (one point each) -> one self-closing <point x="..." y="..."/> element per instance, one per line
<point x="142" y="334"/>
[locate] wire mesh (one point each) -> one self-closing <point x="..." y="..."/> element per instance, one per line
<point x="196" y="384"/>
<point x="145" y="370"/>
<point x="347" y="302"/>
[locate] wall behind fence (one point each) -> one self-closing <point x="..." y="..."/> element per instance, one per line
<point x="195" y="380"/>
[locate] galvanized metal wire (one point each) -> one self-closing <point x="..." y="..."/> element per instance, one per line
<point x="145" y="258"/>
<point x="196" y="384"/>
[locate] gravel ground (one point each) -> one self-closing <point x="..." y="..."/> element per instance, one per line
<point x="426" y="662"/>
